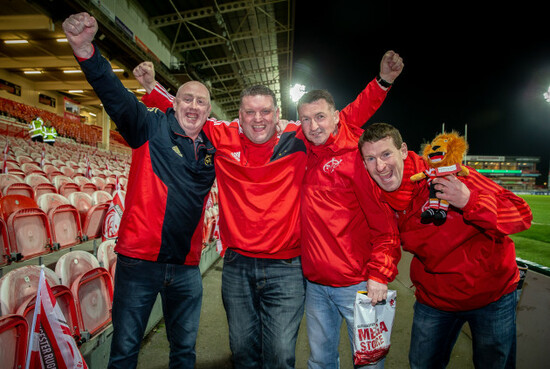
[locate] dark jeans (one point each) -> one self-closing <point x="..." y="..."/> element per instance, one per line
<point x="137" y="284"/>
<point x="264" y="303"/>
<point x="493" y="327"/>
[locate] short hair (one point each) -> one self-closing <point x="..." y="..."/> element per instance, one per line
<point x="378" y="131"/>
<point x="314" y="95"/>
<point x="258" y="90"/>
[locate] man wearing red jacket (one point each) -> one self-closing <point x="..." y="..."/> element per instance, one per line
<point x="259" y="176"/>
<point x="349" y="239"/>
<point x="464" y="270"/>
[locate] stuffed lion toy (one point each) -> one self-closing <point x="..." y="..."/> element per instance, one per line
<point x="443" y="156"/>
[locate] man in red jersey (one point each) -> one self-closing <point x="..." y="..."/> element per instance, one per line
<point x="259" y="177"/>
<point x="464" y="270"/>
<point x="349" y="239"/>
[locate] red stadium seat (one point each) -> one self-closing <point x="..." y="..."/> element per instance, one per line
<point x="30" y="168"/>
<point x="20" y="188"/>
<point x="40" y="184"/>
<point x="99" y="182"/>
<point x="91" y="287"/>
<point x="21" y="284"/>
<point x="85" y="184"/>
<point x="13" y="341"/>
<point x="4" y="244"/>
<point x="91" y="216"/>
<point x="64" y="219"/>
<point x="64" y="185"/>
<point x="100" y="197"/>
<point x="106" y="254"/>
<point x="28" y="227"/>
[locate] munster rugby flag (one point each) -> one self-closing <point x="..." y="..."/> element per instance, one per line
<point x="114" y="215"/>
<point x="51" y="344"/>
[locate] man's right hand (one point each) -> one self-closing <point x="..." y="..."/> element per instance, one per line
<point x="80" y="30"/>
<point x="145" y="75"/>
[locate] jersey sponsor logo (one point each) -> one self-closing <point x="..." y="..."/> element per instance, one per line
<point x="177" y="151"/>
<point x="236" y="155"/>
<point x="331" y="165"/>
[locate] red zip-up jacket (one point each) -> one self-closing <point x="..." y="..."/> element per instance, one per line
<point x="259" y="185"/>
<point x="348" y="234"/>
<point x="468" y="261"/>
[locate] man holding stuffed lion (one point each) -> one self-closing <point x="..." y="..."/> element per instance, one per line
<point x="464" y="268"/>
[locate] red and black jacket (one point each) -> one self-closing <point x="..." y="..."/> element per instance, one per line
<point x="170" y="177"/>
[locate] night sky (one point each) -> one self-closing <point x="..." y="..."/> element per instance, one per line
<point x="464" y="65"/>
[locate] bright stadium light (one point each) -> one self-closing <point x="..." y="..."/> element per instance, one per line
<point x="297" y="91"/>
<point x="547" y="95"/>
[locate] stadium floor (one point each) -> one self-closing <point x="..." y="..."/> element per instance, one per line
<point x="213" y="343"/>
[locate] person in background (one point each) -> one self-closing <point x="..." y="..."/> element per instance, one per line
<point x="463" y="270"/>
<point x="36" y="129"/>
<point x="50" y="134"/>
<point x="259" y="175"/>
<point x="160" y="236"/>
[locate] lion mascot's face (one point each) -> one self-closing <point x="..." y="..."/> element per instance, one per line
<point x="446" y="149"/>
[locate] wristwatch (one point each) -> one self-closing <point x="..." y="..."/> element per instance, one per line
<point x="383" y="82"/>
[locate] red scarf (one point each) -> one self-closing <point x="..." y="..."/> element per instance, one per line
<point x="400" y="199"/>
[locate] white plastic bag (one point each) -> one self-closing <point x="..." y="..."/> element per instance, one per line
<point x="372" y="328"/>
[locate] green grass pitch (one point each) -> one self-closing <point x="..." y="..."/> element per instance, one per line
<point x="534" y="243"/>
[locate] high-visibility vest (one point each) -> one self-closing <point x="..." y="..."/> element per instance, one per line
<point x="49" y="134"/>
<point x="36" y="128"/>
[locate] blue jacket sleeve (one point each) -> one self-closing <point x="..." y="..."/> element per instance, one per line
<point x="135" y="122"/>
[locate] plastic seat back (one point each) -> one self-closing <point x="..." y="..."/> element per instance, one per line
<point x="13" y="341"/>
<point x="28" y="227"/>
<point x="91" y="216"/>
<point x="21" y="284"/>
<point x="64" y="219"/>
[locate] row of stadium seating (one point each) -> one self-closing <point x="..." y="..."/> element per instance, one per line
<point x="65" y="127"/>
<point x="53" y="200"/>
<point x="82" y="286"/>
<point x="51" y="213"/>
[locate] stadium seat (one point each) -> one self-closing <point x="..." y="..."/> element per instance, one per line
<point x="4" y="244"/>
<point x="18" y="188"/>
<point x="110" y="185"/>
<point x="92" y="215"/>
<point x="21" y="159"/>
<point x="99" y="182"/>
<point x="64" y="220"/>
<point x="30" y="168"/>
<point x="106" y="254"/>
<point x="7" y="179"/>
<point x="85" y="184"/>
<point x="21" y="284"/>
<point x="67" y="171"/>
<point x="40" y="184"/>
<point x="14" y="331"/>
<point x="28" y="226"/>
<point x="100" y="197"/>
<point x="64" y="185"/>
<point x="91" y="287"/>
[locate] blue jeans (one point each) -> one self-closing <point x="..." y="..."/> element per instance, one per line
<point x="137" y="284"/>
<point x="325" y="308"/>
<point x="264" y="303"/>
<point x="493" y="327"/>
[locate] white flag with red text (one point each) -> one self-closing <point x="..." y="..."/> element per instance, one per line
<point x="51" y="344"/>
<point x="114" y="215"/>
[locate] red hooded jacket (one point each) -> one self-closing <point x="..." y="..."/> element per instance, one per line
<point x="468" y="261"/>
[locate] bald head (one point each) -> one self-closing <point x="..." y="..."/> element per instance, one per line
<point x="192" y="107"/>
